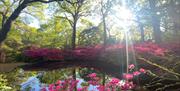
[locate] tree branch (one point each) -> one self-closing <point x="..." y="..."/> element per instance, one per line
<point x="43" y="1"/>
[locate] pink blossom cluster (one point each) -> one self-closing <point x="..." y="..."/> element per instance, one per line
<point x="94" y="80"/>
<point x="66" y="85"/>
<point x="172" y="46"/>
<point x="51" y="54"/>
<point x="112" y="85"/>
<point x="87" y="53"/>
<point x="149" y="47"/>
<point x="132" y="73"/>
<point x="125" y="84"/>
<point x="91" y="53"/>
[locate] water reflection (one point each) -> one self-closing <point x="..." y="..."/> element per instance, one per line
<point x="18" y="76"/>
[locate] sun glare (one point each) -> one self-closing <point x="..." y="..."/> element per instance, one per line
<point x="124" y="13"/>
<point x="123" y="16"/>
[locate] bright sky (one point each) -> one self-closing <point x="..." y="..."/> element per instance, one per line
<point x="35" y="23"/>
<point x="122" y="16"/>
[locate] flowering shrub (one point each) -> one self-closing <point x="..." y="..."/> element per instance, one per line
<point x="51" y="54"/>
<point x="92" y="53"/>
<point x="151" y="48"/>
<point x="66" y="85"/>
<point x="94" y="80"/>
<point x="173" y="47"/>
<point x="113" y="84"/>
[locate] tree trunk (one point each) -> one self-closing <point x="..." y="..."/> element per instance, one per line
<point x="156" y="29"/>
<point x="7" y="25"/>
<point x="3" y="20"/>
<point x="2" y="55"/>
<point x="105" y="32"/>
<point x="142" y="31"/>
<point x="174" y="15"/>
<point x="103" y="79"/>
<point x="176" y="28"/>
<point x="74" y="32"/>
<point x="75" y="17"/>
<point x="155" y="22"/>
<point x="74" y="77"/>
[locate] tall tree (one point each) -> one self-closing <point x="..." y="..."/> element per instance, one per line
<point x="155" y="21"/>
<point x="141" y="28"/>
<point x="73" y="10"/>
<point x="174" y="14"/>
<point x="7" y="21"/>
<point x="105" y="7"/>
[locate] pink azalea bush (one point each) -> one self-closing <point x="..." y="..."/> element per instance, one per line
<point x="173" y="46"/>
<point x="151" y="48"/>
<point x="51" y="54"/>
<point x="113" y="84"/>
<point x="92" y="53"/>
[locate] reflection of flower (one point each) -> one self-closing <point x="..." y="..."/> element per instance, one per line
<point x="112" y="85"/>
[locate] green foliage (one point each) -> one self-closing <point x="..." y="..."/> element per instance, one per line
<point x="10" y="81"/>
<point x="54" y="75"/>
<point x="4" y="83"/>
<point x="90" y="36"/>
<point x="56" y="32"/>
<point x="34" y="10"/>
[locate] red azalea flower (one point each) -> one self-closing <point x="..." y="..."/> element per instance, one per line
<point x="114" y="81"/>
<point x="101" y="88"/>
<point x="136" y="73"/>
<point x="128" y="85"/>
<point x="58" y="82"/>
<point x="51" y="87"/>
<point x="58" y="88"/>
<point x="128" y="76"/>
<point x="131" y="66"/>
<point x="142" y="70"/>
<point x="92" y="75"/>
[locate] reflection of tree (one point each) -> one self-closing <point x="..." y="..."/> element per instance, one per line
<point x="54" y="75"/>
<point x="15" y="78"/>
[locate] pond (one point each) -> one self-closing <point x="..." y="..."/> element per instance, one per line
<point x="69" y="79"/>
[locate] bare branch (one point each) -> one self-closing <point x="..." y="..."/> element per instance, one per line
<point x="43" y="1"/>
<point x="70" y="2"/>
<point x="65" y="9"/>
<point x="70" y="22"/>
